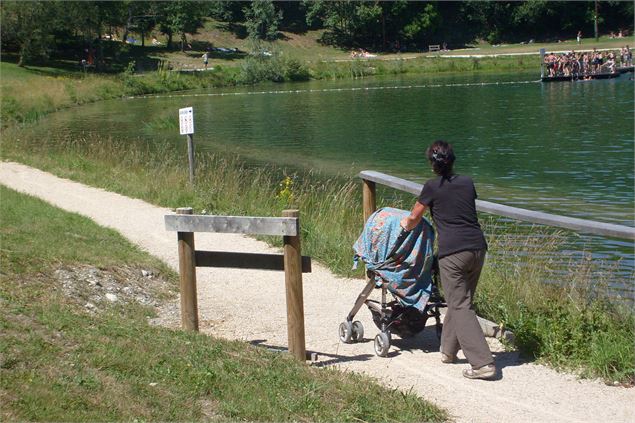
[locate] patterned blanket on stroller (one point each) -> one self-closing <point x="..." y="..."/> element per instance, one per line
<point x="402" y="259"/>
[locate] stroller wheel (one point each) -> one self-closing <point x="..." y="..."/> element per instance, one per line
<point x="358" y="331"/>
<point x="382" y="344"/>
<point x="346" y="332"/>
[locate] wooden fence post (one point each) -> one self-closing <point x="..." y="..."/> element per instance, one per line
<point x="187" y="272"/>
<point x="368" y="198"/>
<point x="293" y="285"/>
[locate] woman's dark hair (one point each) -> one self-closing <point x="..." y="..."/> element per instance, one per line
<point x="441" y="156"/>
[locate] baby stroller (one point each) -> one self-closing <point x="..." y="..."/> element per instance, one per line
<point x="403" y="264"/>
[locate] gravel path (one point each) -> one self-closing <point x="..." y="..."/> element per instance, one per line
<point x="524" y="392"/>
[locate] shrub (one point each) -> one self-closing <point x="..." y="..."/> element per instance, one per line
<point x="296" y="71"/>
<point x="257" y="69"/>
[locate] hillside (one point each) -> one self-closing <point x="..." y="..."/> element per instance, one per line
<point x="307" y="48"/>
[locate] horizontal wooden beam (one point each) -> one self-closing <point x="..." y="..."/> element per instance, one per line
<point x="283" y="226"/>
<point x="391" y="181"/>
<point x="572" y="223"/>
<point x="524" y="215"/>
<point x="246" y="260"/>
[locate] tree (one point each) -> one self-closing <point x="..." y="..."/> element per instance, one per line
<point x="140" y="16"/>
<point x="262" y="20"/>
<point x="336" y="17"/>
<point x="226" y="11"/>
<point x="367" y="24"/>
<point x="180" y="17"/>
<point x="293" y="16"/>
<point x="461" y="24"/>
<point x="27" y="25"/>
<point x="541" y="19"/>
<point x="595" y="22"/>
<point x="423" y="24"/>
<point x="350" y="23"/>
<point x="89" y="19"/>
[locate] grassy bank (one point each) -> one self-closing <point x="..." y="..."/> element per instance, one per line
<point x="38" y="90"/>
<point x="574" y="326"/>
<point x="569" y="328"/>
<point x="61" y="360"/>
<point x="29" y="93"/>
<point x="423" y="65"/>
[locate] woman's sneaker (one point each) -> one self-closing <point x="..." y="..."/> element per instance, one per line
<point x="486" y="372"/>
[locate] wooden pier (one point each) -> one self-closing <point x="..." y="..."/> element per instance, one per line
<point x="618" y="70"/>
<point x="578" y="77"/>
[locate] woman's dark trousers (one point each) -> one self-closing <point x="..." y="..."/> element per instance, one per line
<point x="461" y="330"/>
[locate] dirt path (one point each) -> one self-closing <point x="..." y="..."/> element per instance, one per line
<point x="250" y="305"/>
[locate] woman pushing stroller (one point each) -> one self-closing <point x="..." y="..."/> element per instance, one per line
<point x="461" y="251"/>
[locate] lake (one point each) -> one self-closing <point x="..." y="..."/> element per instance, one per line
<point x="564" y="148"/>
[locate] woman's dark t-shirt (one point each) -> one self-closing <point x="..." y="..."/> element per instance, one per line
<point x="453" y="210"/>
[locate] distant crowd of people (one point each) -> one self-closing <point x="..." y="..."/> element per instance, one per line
<point x="361" y="53"/>
<point x="585" y="64"/>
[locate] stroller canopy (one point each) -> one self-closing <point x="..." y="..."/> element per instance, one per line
<point x="401" y="259"/>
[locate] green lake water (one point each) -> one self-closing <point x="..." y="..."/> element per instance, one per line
<point x="564" y="148"/>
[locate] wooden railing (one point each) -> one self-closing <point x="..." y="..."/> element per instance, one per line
<point x="370" y="178"/>
<point x="292" y="262"/>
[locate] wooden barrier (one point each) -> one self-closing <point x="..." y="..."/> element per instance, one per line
<point x="370" y="178"/>
<point x="292" y="262"/>
<point x="369" y="201"/>
<point x="293" y="287"/>
<point x="187" y="276"/>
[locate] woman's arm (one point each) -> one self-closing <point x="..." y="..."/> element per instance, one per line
<point x="409" y="222"/>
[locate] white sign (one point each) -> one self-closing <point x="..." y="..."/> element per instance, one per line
<point x="186" y="120"/>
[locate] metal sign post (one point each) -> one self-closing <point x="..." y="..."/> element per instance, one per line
<point x="186" y="125"/>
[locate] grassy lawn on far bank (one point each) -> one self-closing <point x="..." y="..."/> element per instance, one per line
<point x="313" y="53"/>
<point x="306" y="47"/>
<point x="71" y="353"/>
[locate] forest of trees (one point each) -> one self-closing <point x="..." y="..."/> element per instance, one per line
<point x="37" y="30"/>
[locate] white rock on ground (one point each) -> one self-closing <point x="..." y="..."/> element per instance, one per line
<point x="250" y="305"/>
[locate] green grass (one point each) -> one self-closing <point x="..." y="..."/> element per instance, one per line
<point x="30" y="93"/>
<point x="62" y="363"/>
<point x="555" y="326"/>
<point x="422" y="65"/>
<point x="573" y="328"/>
<point x="587" y="44"/>
<point x="306" y="48"/>
<point x="34" y="236"/>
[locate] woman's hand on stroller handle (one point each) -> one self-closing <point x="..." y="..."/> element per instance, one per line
<point x="409" y="222"/>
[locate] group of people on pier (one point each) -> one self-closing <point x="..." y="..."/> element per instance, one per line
<point x="585" y="64"/>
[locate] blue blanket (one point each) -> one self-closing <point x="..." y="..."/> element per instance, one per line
<point x="402" y="259"/>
